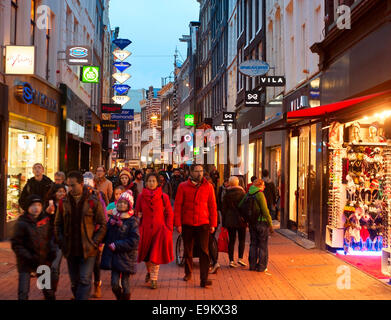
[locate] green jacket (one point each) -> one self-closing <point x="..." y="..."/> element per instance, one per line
<point x="260" y="204"/>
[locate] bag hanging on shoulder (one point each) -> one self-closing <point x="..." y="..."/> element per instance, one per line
<point x="247" y="210"/>
<point x="222" y="242"/>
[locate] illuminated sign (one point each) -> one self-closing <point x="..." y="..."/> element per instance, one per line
<point x="90" y="74"/>
<point x="121" y="54"/>
<point x="254" y="68"/>
<point x="108" y="125"/>
<point x="25" y="93"/>
<point x="229" y="117"/>
<point x="121" y="88"/>
<point x="121" y="99"/>
<point x="126" y="114"/>
<point x="189" y="120"/>
<point x="73" y="128"/>
<point x="78" y="55"/>
<point x="19" y="59"/>
<point x="111" y="108"/>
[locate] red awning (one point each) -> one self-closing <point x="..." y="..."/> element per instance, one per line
<point x="321" y="111"/>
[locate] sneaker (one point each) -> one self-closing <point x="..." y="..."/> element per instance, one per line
<point x="187" y="277"/>
<point x="261" y="270"/>
<point x="206" y="283"/>
<point x="232" y="264"/>
<point x="242" y="263"/>
<point x="213" y="270"/>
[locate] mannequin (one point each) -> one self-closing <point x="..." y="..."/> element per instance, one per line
<point x="356" y="133"/>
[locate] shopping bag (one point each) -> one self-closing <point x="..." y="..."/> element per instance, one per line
<point x="222" y="242"/>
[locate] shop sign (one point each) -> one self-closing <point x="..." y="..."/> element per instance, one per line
<point x="219" y="128"/>
<point x="90" y="74"/>
<point x="299" y="103"/>
<point x="121" y="99"/>
<point x="189" y="120"/>
<point x="74" y="128"/>
<point x="111" y="108"/>
<point x="121" y="54"/>
<point x="253" y="99"/>
<point x="122" y="43"/>
<point x="121" y="77"/>
<point x="229" y="117"/>
<point x="273" y="81"/>
<point x="19" y="59"/>
<point x="121" y="89"/>
<point x="254" y="68"/>
<point x="121" y="66"/>
<point x="25" y="93"/>
<point x="127" y="114"/>
<point x="108" y="125"/>
<point x="78" y="55"/>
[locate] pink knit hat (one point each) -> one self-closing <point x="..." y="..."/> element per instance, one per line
<point x="128" y="197"/>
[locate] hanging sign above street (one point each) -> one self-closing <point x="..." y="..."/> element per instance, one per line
<point x="121" y="77"/>
<point x="219" y="128"/>
<point x="122" y="43"/>
<point x="121" y="99"/>
<point x="121" y="89"/>
<point x="90" y="74"/>
<point x="126" y="114"/>
<point x="109" y="125"/>
<point x="122" y="66"/>
<point x="78" y="55"/>
<point x="273" y="81"/>
<point x="111" y="108"/>
<point x="254" y="68"/>
<point x="229" y="117"/>
<point x="19" y="59"/>
<point x="121" y="54"/>
<point x="253" y="99"/>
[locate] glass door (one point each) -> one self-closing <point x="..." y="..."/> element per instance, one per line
<point x="293" y="183"/>
<point x="303" y="169"/>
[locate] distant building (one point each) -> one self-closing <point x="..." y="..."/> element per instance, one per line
<point x="135" y="97"/>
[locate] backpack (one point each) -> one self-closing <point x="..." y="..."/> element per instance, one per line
<point x="247" y="211"/>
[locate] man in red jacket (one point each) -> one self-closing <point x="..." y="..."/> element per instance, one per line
<point x="195" y="215"/>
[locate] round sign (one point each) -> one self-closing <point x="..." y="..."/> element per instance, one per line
<point x="254" y="68"/>
<point x="188" y="138"/>
<point x="91" y="74"/>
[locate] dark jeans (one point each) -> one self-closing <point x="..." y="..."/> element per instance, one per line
<point x="116" y="276"/>
<point x="258" y="256"/>
<point x="232" y="239"/>
<point x="97" y="267"/>
<point x="80" y="273"/>
<point x="24" y="285"/>
<point x="201" y="236"/>
<point x="55" y="269"/>
<point x="273" y="212"/>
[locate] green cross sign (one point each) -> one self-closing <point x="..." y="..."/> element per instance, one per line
<point x="189" y="120"/>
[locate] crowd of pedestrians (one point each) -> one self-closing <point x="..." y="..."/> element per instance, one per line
<point x="114" y="220"/>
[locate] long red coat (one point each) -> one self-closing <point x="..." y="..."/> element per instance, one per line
<point x="156" y="227"/>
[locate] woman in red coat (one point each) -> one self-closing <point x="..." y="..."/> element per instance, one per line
<point x="156" y="227"/>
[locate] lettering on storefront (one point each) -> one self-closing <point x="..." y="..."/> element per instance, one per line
<point x="25" y="93"/>
<point x="299" y="103"/>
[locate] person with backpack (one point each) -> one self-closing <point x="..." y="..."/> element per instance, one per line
<point x="232" y="220"/>
<point x="253" y="209"/>
<point x="80" y="226"/>
<point x="121" y="242"/>
<point x="156" y="228"/>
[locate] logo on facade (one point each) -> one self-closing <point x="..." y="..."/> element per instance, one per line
<point x="25" y="93"/>
<point x="90" y="74"/>
<point x="273" y="81"/>
<point x="253" y="99"/>
<point x="78" y="55"/>
<point x="228" y="117"/>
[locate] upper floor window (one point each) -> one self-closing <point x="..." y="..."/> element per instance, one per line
<point x="14" y="9"/>
<point x="32" y="21"/>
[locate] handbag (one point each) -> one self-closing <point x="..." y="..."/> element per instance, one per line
<point x="222" y="242"/>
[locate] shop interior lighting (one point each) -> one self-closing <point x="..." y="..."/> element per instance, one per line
<point x="361" y="253"/>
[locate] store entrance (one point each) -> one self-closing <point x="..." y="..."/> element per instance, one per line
<point x="302" y="185"/>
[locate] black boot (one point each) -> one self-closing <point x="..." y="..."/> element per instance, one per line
<point x="125" y="296"/>
<point x="117" y="292"/>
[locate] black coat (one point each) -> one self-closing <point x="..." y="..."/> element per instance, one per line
<point x="32" y="243"/>
<point x="230" y="210"/>
<point x="126" y="239"/>
<point x="40" y="188"/>
<point x="175" y="182"/>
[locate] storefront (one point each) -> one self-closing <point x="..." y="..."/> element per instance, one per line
<point x="31" y="137"/>
<point x="3" y="154"/>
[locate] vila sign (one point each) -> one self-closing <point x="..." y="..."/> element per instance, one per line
<point x="273" y="81"/>
<point x="111" y="108"/>
<point x="78" y="55"/>
<point x="253" y="99"/>
<point x="19" y="59"/>
<point x="26" y="94"/>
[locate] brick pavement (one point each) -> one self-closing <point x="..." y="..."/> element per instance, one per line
<point x="294" y="273"/>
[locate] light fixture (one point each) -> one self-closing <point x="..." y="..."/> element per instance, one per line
<point x="275" y="102"/>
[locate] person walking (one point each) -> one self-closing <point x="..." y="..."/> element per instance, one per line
<point x="259" y="230"/>
<point x="232" y="221"/>
<point x="253" y="178"/>
<point x="56" y="194"/>
<point x="102" y="184"/>
<point x="270" y="193"/>
<point x="121" y="243"/>
<point x="112" y="177"/>
<point x="80" y="227"/>
<point x="165" y="185"/>
<point x="38" y="185"/>
<point x="125" y="178"/>
<point x="175" y="181"/>
<point x="32" y="244"/>
<point x="195" y="216"/>
<point x="156" y="228"/>
<point x="139" y="181"/>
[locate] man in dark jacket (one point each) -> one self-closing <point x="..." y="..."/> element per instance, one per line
<point x="270" y="193"/>
<point x="80" y="227"/>
<point x="195" y="211"/>
<point x="32" y="244"/>
<point x="38" y="185"/>
<point x="176" y="180"/>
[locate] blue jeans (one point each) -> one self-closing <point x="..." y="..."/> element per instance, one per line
<point x="80" y="272"/>
<point x="258" y="255"/>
